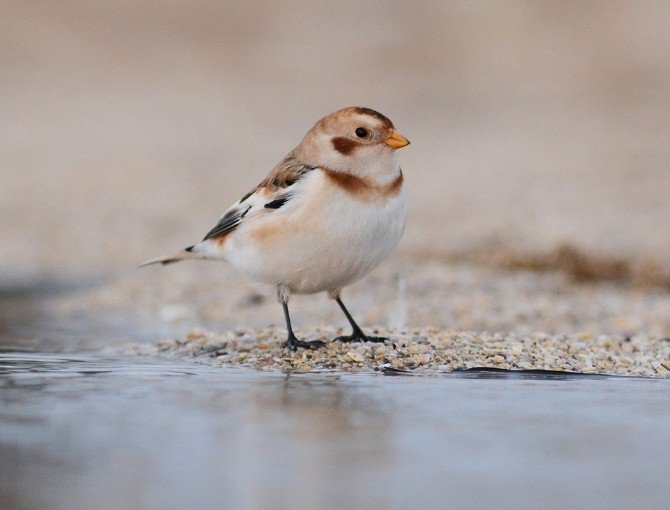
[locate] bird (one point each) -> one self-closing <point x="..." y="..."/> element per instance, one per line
<point x="328" y="214"/>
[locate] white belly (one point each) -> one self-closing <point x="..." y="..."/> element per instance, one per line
<point x="326" y="240"/>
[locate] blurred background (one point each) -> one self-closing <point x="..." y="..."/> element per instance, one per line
<point x="539" y="129"/>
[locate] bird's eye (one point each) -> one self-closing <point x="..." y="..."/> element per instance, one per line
<point x="361" y="132"/>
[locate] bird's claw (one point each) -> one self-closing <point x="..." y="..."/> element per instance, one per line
<point x="293" y="343"/>
<point x="359" y="336"/>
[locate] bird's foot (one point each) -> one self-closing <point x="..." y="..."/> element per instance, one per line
<point x="293" y="343"/>
<point x="359" y="336"/>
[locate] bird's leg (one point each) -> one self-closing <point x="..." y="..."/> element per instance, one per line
<point x="357" y="334"/>
<point x="292" y="341"/>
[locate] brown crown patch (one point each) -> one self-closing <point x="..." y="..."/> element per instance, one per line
<point x="364" y="189"/>
<point x="373" y="113"/>
<point x="344" y="145"/>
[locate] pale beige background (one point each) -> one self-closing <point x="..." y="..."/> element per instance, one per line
<point x="126" y="127"/>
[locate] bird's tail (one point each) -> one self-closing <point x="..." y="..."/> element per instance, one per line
<point x="186" y="253"/>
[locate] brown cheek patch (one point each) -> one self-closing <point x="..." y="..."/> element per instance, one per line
<point x="364" y="189"/>
<point x="344" y="145"/>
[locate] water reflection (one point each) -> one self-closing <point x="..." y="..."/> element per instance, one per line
<point x="305" y="435"/>
<point x="250" y="436"/>
<point x="86" y="431"/>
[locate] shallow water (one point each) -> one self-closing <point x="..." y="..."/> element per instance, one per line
<point x="84" y="431"/>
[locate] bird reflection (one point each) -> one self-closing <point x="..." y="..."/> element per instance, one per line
<point x="320" y="434"/>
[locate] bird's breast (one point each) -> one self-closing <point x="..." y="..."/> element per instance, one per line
<point x="326" y="237"/>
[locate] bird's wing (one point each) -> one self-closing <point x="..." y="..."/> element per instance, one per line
<point x="272" y="193"/>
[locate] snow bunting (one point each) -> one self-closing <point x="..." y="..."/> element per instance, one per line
<point x="323" y="218"/>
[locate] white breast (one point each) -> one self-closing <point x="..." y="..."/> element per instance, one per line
<point x="323" y="239"/>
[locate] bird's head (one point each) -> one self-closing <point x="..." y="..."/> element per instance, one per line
<point x="355" y="140"/>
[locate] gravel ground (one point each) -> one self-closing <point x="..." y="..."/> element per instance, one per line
<point x="424" y="351"/>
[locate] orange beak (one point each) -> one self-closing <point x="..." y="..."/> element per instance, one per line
<point x="396" y="140"/>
